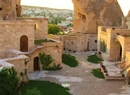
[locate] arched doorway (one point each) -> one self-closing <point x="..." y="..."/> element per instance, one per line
<point x="118" y="50"/>
<point x="36" y="64"/>
<point x="24" y="43"/>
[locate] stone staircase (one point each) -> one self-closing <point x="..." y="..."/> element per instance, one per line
<point x="110" y="71"/>
<point x="33" y="49"/>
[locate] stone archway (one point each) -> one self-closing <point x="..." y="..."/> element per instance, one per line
<point x="24" y="43"/>
<point x="36" y="64"/>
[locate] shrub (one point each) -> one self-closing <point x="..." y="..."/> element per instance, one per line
<point x="94" y="59"/>
<point x="69" y="60"/>
<point x="8" y="82"/>
<point x="97" y="73"/>
<point x="53" y="29"/>
<point x="46" y="61"/>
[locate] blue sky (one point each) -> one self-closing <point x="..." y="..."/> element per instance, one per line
<point x="67" y="4"/>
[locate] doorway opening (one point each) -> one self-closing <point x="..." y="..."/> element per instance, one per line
<point x="24" y="43"/>
<point x="36" y="64"/>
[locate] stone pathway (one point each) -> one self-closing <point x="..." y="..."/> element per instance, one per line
<point x="81" y="81"/>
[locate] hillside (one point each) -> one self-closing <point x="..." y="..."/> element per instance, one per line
<point x="45" y="12"/>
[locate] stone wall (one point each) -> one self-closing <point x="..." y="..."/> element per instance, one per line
<point x="18" y="64"/>
<point x="41" y="26"/>
<point x="102" y="36"/>
<point x="11" y="32"/>
<point x="89" y="14"/>
<point x="92" y="39"/>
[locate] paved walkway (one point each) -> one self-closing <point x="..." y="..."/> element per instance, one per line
<point x="81" y="81"/>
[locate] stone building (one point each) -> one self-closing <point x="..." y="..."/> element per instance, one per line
<point x="80" y="42"/>
<point x="17" y="36"/>
<point x="114" y="44"/>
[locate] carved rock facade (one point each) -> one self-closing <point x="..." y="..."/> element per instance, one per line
<point x="89" y="14"/>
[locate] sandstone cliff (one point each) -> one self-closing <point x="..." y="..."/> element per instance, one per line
<point x="89" y="14"/>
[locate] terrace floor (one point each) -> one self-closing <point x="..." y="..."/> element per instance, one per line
<point x="81" y="81"/>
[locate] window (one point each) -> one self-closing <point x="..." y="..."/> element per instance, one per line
<point x="35" y="27"/>
<point x="95" y="41"/>
<point x="0" y="8"/>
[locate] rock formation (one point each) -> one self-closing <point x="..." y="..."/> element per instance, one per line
<point x="18" y="8"/>
<point x="9" y="9"/>
<point x="89" y="14"/>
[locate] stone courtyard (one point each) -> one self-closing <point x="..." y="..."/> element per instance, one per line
<point x="87" y="19"/>
<point x="80" y="79"/>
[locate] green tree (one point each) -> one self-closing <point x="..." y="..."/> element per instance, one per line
<point x="53" y="29"/>
<point x="9" y="82"/>
<point x="48" y="63"/>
